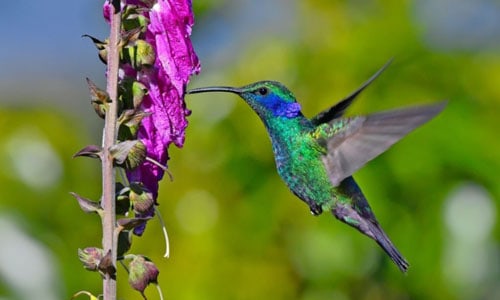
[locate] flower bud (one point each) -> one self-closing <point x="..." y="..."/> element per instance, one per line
<point x="101" y="46"/>
<point x="132" y="93"/>
<point x="135" y="17"/>
<point x="128" y="154"/>
<point x="99" y="98"/>
<point x="141" y="198"/>
<point x="139" y="54"/>
<point x="142" y="272"/>
<point x="90" y="257"/>
<point x="129" y="123"/>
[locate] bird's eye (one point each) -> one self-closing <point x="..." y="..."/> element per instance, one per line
<point x="262" y="91"/>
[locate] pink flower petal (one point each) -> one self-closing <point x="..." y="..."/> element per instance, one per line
<point x="168" y="32"/>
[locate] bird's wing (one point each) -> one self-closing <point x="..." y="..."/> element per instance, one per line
<point x="353" y="142"/>
<point x="338" y="109"/>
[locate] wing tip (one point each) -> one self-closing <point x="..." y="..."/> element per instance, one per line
<point x="432" y="110"/>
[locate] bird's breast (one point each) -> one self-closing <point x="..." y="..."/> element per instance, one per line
<point x="300" y="165"/>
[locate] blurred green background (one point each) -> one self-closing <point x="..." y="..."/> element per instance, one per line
<point x="236" y="231"/>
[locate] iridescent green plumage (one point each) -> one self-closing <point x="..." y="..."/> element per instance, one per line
<point x="316" y="157"/>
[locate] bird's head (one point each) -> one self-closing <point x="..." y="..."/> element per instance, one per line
<point x="267" y="98"/>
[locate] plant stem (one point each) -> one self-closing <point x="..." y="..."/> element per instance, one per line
<point x="109" y="242"/>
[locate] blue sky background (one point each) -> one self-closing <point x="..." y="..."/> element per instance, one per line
<point x="44" y="55"/>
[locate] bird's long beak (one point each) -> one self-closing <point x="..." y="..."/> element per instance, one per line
<point x="226" y="89"/>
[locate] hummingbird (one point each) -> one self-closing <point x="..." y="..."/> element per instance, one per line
<point x="317" y="156"/>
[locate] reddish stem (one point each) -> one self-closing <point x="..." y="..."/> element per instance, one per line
<point x="109" y="242"/>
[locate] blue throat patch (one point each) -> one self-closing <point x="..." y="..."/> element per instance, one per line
<point x="281" y="108"/>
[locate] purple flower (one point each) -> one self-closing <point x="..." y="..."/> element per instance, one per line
<point x="168" y="32"/>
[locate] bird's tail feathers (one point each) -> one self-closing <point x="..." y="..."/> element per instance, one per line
<point x="368" y="225"/>
<point x="383" y="240"/>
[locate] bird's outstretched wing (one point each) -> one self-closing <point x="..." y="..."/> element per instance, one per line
<point x="353" y="142"/>
<point x="338" y="109"/>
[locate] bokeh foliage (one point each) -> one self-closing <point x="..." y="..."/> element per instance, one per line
<point x="236" y="231"/>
